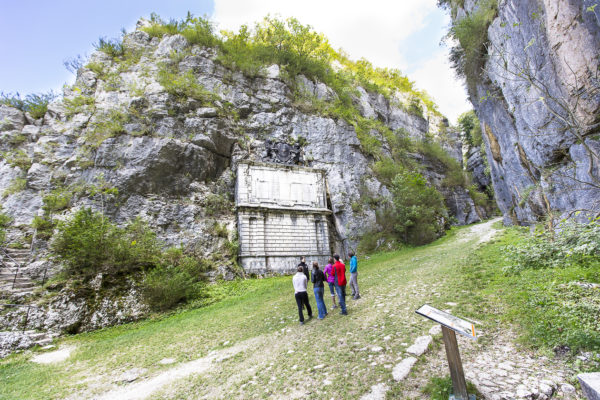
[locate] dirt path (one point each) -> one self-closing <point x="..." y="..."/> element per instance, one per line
<point x="484" y="231"/>
<point x="145" y="388"/>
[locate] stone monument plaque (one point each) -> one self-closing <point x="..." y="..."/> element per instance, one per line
<point x="282" y="215"/>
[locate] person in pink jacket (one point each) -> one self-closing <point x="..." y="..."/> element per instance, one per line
<point x="328" y="271"/>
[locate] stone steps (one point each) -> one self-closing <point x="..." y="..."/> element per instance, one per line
<point x="15" y="262"/>
<point x="16" y="255"/>
<point x="17" y="294"/>
<point x="12" y="252"/>
<point x="27" y="284"/>
<point x="38" y="338"/>
<point x="13" y="271"/>
<point x="18" y="286"/>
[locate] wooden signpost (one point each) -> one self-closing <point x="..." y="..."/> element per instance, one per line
<point x="451" y="324"/>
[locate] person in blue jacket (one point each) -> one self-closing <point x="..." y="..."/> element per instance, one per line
<point x="354" y="276"/>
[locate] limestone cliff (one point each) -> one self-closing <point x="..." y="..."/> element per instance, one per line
<point x="167" y="129"/>
<point x="536" y="93"/>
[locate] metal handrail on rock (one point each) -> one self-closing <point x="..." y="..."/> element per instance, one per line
<point x="21" y="305"/>
<point x="18" y="265"/>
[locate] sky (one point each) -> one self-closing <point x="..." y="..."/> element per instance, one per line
<point x="38" y="35"/>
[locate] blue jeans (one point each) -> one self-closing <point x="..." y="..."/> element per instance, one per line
<point x="331" y="287"/>
<point x="341" y="292"/>
<point x="320" y="304"/>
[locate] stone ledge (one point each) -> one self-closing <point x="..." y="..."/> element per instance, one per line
<point x="590" y="384"/>
<point x="281" y="166"/>
<point x="283" y="209"/>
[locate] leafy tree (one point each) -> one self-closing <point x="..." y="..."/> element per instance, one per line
<point x="470" y="126"/>
<point x="89" y="243"/>
<point x="418" y="209"/>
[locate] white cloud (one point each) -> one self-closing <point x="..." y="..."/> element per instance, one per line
<point x="373" y="30"/>
<point x="437" y="78"/>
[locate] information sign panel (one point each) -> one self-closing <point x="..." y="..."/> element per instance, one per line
<point x="448" y="320"/>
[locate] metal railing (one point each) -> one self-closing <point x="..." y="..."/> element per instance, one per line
<point x="17" y="265"/>
<point x="29" y="307"/>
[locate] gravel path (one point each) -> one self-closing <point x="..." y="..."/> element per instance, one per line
<point x="145" y="388"/>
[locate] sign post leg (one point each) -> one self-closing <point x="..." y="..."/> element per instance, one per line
<point x="459" y="384"/>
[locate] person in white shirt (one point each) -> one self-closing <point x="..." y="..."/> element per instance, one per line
<point x="300" y="282"/>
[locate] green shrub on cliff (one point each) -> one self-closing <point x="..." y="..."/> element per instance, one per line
<point x="16" y="185"/>
<point x="111" y="47"/>
<point x="5" y="220"/>
<point x="177" y="277"/>
<point x="294" y="46"/>
<point x="196" y="30"/>
<point x="470" y="126"/>
<point x="57" y="200"/>
<point x="36" y="104"/>
<point x="418" y="209"/>
<point x="77" y="104"/>
<point x="106" y="125"/>
<point x="453" y="169"/>
<point x="89" y="243"/>
<point x="183" y="85"/>
<point x="468" y="57"/>
<point x="18" y="158"/>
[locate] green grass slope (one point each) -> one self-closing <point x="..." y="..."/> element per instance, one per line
<point x="340" y="357"/>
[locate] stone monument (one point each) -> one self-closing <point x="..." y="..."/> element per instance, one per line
<point x="282" y="212"/>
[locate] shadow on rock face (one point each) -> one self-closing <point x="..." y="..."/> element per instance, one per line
<point x="157" y="165"/>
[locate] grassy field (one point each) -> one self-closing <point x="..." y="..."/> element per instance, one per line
<point x="339" y="357"/>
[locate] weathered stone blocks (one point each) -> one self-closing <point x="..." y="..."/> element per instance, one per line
<point x="282" y="215"/>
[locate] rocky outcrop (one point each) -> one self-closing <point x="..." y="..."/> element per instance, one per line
<point x="477" y="165"/>
<point x="538" y="100"/>
<point x="169" y="151"/>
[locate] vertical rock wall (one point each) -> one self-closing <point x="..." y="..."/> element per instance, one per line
<point x="538" y="100"/>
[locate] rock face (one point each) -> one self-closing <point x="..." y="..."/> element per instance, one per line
<point x="476" y="165"/>
<point x="172" y="153"/>
<point x="538" y="100"/>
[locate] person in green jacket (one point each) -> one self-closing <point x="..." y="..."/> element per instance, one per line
<point x="354" y="276"/>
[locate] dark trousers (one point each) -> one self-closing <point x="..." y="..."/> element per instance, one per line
<point x="302" y="299"/>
